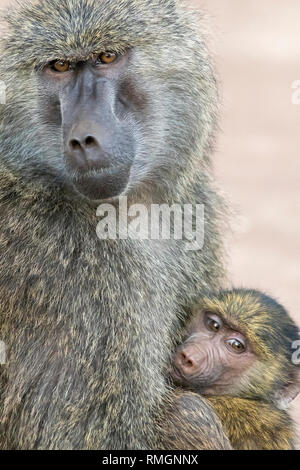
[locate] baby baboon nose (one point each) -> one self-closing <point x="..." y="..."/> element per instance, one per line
<point x="185" y="362"/>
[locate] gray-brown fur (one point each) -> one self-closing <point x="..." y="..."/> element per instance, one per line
<point x="183" y="421"/>
<point x="89" y="325"/>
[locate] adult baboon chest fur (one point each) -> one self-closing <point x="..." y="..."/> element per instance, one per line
<point x="89" y="324"/>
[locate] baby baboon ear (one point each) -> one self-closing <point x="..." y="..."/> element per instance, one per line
<point x="284" y="397"/>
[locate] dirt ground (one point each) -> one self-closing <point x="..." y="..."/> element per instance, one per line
<point x="257" y="161"/>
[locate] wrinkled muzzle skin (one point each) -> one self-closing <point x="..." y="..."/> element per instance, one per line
<point x="197" y="365"/>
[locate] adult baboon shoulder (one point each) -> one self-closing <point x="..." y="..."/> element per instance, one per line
<point x="104" y="99"/>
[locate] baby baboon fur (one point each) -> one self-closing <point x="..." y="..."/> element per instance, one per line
<point x="239" y="355"/>
<point x="89" y="324"/>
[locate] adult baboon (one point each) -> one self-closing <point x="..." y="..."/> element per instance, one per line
<point x="104" y="99"/>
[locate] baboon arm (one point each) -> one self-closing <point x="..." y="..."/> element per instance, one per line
<point x="189" y="423"/>
<point x="254" y="425"/>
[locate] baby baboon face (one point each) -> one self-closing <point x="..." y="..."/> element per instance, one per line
<point x="214" y="356"/>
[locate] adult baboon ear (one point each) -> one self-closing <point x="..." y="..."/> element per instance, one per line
<point x="283" y="398"/>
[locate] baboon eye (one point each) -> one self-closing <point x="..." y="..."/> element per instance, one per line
<point x="107" y="57"/>
<point x="60" y="66"/>
<point x="212" y="324"/>
<point x="236" y="345"/>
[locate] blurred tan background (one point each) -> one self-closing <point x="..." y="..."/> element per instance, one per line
<point x="257" y="46"/>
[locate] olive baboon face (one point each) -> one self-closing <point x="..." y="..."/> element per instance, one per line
<point x="96" y="104"/>
<point x="120" y="96"/>
<point x="215" y="356"/>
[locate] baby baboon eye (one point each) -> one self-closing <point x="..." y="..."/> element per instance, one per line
<point x="60" y="66"/>
<point x="107" y="57"/>
<point x="212" y="324"/>
<point x="236" y="345"/>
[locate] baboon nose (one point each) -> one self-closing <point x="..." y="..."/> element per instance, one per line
<point x="84" y="151"/>
<point x="85" y="143"/>
<point x="185" y="363"/>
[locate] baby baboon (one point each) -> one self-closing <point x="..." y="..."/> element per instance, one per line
<point x="104" y="98"/>
<point x="238" y="354"/>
